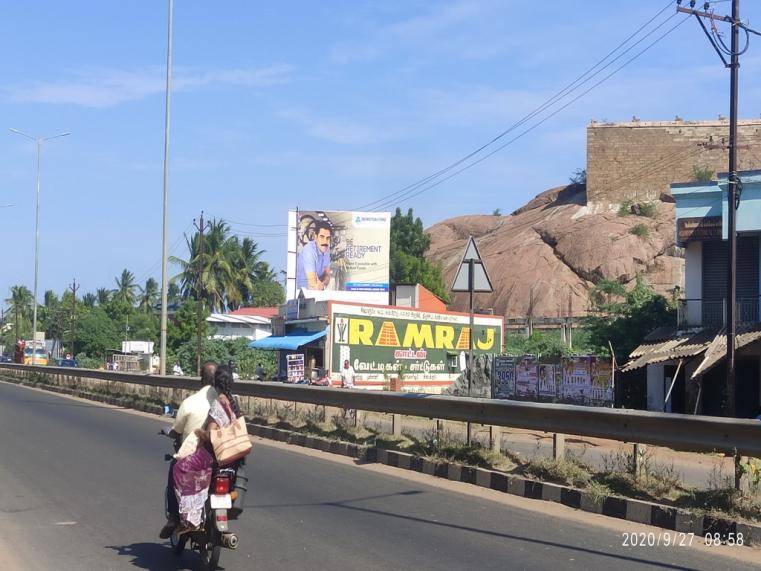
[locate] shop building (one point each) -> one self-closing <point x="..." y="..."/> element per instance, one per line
<point x="399" y="347"/>
<point x="685" y="365"/>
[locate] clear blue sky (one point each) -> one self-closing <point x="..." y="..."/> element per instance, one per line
<point x="317" y="105"/>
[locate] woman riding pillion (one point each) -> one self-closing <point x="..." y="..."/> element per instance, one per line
<point x="210" y="408"/>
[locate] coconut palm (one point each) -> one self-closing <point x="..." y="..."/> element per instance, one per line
<point x="50" y="299"/>
<point x="172" y="293"/>
<point x="20" y="304"/>
<point x="126" y="288"/>
<point x="149" y="295"/>
<point x="103" y="295"/>
<point x="89" y="300"/>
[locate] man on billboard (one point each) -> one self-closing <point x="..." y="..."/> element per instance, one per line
<point x="313" y="262"/>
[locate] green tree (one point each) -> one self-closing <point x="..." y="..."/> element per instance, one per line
<point x="126" y="288"/>
<point x="409" y="244"/>
<point x="89" y="300"/>
<point x="624" y="317"/>
<point x="97" y="332"/>
<point x="184" y="327"/>
<point x="229" y="274"/>
<point x="20" y="305"/>
<point x="149" y="295"/>
<point x="104" y="295"/>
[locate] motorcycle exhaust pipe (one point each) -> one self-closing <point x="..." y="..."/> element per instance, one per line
<point x="230" y="540"/>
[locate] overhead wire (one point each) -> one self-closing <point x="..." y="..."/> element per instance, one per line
<point x="420" y="191"/>
<point x="567" y="90"/>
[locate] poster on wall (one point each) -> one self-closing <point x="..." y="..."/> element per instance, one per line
<point x="546" y="386"/>
<point x="295" y="367"/>
<point x="339" y="255"/>
<point x="601" y="373"/>
<point x="576" y="382"/>
<point x="526" y="376"/>
<point x="503" y="377"/>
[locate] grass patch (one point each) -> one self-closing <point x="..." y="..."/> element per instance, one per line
<point x="640" y="230"/>
<point x="570" y="472"/>
<point x="646" y="209"/>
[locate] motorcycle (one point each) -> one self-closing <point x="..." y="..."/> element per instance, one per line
<point x="224" y="502"/>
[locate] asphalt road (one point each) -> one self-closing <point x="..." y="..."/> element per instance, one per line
<point x="81" y="488"/>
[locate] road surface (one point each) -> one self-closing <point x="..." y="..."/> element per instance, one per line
<point x="82" y="489"/>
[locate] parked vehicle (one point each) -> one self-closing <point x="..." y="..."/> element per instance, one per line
<point x="35" y="353"/>
<point x="226" y="496"/>
<point x="5" y="359"/>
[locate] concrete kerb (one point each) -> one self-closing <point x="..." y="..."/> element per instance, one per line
<point x="613" y="506"/>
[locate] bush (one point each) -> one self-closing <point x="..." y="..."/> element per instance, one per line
<point x="648" y="209"/>
<point x="625" y="209"/>
<point x="640" y="230"/>
<point x="702" y="174"/>
<point x="224" y="350"/>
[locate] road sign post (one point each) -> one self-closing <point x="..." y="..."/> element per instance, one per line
<point x="471" y="277"/>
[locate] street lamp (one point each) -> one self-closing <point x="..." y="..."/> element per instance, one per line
<point x="39" y="141"/>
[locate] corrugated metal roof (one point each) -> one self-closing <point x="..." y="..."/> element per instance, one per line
<point x="680" y="345"/>
<point x="746" y="334"/>
<point x="241" y="319"/>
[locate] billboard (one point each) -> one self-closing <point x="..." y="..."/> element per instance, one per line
<point x="387" y="341"/>
<point x="339" y="255"/>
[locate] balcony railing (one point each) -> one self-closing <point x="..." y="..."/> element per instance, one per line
<point x="713" y="312"/>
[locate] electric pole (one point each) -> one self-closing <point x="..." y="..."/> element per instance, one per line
<point x="74" y="287"/>
<point x="200" y="226"/>
<point x="734" y="185"/>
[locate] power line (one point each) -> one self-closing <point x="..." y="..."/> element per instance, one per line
<point x="575" y="84"/>
<point x="534" y="126"/>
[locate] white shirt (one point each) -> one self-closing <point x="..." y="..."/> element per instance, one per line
<point x="347" y="377"/>
<point x="192" y="415"/>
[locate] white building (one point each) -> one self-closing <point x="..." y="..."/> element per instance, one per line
<point x="252" y="323"/>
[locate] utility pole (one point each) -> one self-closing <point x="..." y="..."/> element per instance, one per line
<point x="74" y="287"/>
<point x="199" y="293"/>
<point x="734" y="186"/>
<point x="165" y="232"/>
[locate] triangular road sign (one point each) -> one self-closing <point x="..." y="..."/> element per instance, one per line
<point x="481" y="281"/>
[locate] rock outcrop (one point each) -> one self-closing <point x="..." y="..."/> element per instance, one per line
<point x="555" y="248"/>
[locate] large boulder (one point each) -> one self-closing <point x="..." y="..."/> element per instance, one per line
<point x="546" y="256"/>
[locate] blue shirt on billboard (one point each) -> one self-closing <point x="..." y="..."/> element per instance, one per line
<point x="311" y="259"/>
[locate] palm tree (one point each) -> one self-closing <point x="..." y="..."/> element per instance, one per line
<point x="126" y="287"/>
<point x="149" y="294"/>
<point x="89" y="300"/>
<point x="104" y="295"/>
<point x="50" y="299"/>
<point x="172" y="293"/>
<point x="20" y="303"/>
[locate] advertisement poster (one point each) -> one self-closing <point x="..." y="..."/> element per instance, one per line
<point x="601" y="372"/>
<point x="546" y="386"/>
<point x="295" y="367"/>
<point x="339" y="255"/>
<point x="576" y="382"/>
<point x="381" y="342"/>
<point x="503" y="377"/>
<point x="526" y="376"/>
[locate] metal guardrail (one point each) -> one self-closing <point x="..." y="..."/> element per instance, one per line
<point x="676" y="431"/>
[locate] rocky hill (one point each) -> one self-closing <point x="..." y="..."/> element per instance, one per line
<point x="559" y="247"/>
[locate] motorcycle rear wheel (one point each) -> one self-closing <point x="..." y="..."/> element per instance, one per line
<point x="210" y="551"/>
<point x="178" y="543"/>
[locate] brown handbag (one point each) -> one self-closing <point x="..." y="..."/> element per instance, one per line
<point x="231" y="443"/>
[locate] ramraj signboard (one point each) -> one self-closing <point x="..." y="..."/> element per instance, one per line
<point x="382" y="341"/>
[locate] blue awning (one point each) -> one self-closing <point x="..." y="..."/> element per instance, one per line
<point x="291" y="341"/>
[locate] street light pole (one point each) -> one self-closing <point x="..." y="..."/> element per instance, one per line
<point x="165" y="236"/>
<point x="38" y="141"/>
